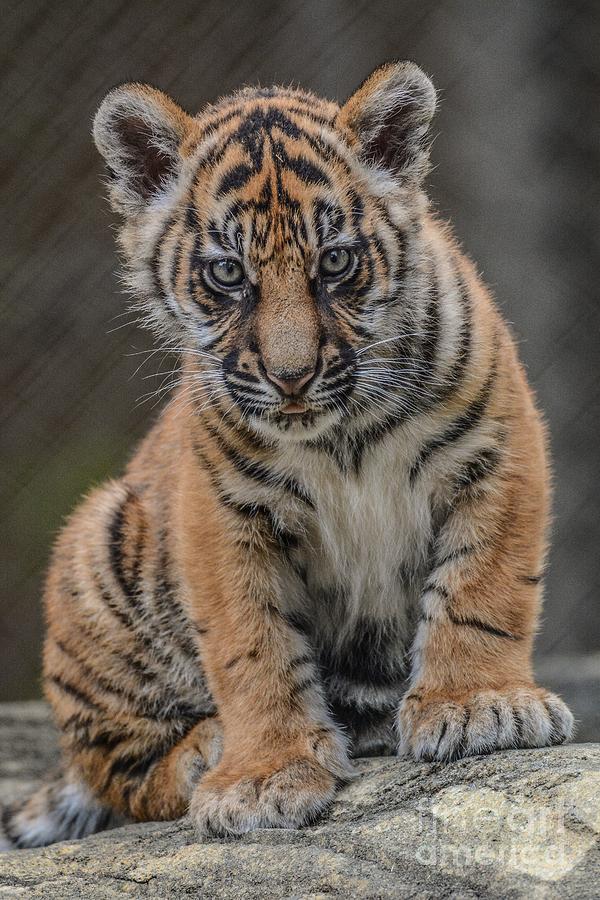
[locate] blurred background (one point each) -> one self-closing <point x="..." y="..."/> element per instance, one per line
<point x="516" y="169"/>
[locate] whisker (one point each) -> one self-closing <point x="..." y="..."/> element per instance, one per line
<point x="183" y="378"/>
<point x="397" y="337"/>
<point x="137" y="321"/>
<point x="194" y="395"/>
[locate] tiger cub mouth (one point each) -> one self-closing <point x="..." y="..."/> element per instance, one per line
<point x="294" y="407"/>
<point x="298" y="418"/>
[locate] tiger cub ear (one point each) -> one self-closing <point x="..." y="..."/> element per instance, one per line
<point x="389" y="116"/>
<point x="140" y="131"/>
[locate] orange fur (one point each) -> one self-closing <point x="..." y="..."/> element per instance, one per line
<point x="272" y="559"/>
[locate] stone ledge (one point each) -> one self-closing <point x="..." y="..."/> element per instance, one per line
<point x="515" y="824"/>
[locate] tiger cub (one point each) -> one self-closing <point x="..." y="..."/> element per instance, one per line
<point x="331" y="543"/>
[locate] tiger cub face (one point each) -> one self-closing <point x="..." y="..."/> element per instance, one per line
<point x="271" y="237"/>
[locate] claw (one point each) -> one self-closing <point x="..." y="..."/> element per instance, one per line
<point x="482" y="722"/>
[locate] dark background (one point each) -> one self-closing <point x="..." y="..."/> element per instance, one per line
<point x="516" y="169"/>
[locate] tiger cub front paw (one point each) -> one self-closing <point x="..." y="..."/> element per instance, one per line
<point x="438" y="728"/>
<point x="294" y="795"/>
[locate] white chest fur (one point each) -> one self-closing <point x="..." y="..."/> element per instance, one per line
<point x="367" y="540"/>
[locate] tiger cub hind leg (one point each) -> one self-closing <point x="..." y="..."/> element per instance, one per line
<point x="63" y="809"/>
<point x="73" y="805"/>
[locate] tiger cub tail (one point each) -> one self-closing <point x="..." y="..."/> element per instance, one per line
<point x="62" y="809"/>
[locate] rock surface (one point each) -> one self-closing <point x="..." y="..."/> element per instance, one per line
<point x="515" y="824"/>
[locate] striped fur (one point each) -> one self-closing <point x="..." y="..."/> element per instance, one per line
<point x="332" y="540"/>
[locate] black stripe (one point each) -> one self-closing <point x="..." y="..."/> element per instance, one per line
<point x="482" y="626"/>
<point x="306" y="111"/>
<point x="7" y="818"/>
<point x="232" y="662"/>
<point x="331" y="375"/>
<point x="455" y="555"/>
<point x="153" y="710"/>
<point x="111" y="604"/>
<point x="305" y="170"/>
<point x="128" y="584"/>
<point x="300" y="661"/>
<point x="558" y="728"/>
<point x="239" y="427"/>
<point x="457" y="429"/>
<point x="463" y="353"/>
<point x="467" y="719"/>
<point x="299" y="622"/>
<point x="234" y="179"/>
<point x="155" y="264"/>
<point x="136" y="767"/>
<point x="480" y="466"/>
<point x="106" y="685"/>
<point x="440" y="739"/>
<point x="243" y="391"/>
<point x="250" y="133"/>
<point x="167" y="604"/>
<point x="210" y="469"/>
<point x="413" y="696"/>
<point x="327" y="217"/>
<point x="531" y="579"/>
<point x="438" y="588"/>
<point x="246" y="376"/>
<point x="376" y="432"/>
<point x="382" y="255"/>
<point x="76" y="722"/>
<point x="519" y="726"/>
<point x="192" y="221"/>
<point x="337" y="447"/>
<point x="103" y="740"/>
<point x="430" y="340"/>
<point x="303" y="685"/>
<point x="175" y="264"/>
<point x="257" y="471"/>
<point x="158" y="709"/>
<point x="496" y="713"/>
<point x="89" y="737"/>
<point x="144" y="644"/>
<point x="70" y="689"/>
<point x="287" y="540"/>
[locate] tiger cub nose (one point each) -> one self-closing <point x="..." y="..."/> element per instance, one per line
<point x="291" y="383"/>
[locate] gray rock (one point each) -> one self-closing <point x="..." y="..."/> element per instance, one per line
<point x="514" y="824"/>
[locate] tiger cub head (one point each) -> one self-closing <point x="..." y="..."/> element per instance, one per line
<point x="273" y="238"/>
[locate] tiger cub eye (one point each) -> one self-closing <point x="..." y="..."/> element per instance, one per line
<point x="335" y="262"/>
<point x="227" y="273"/>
